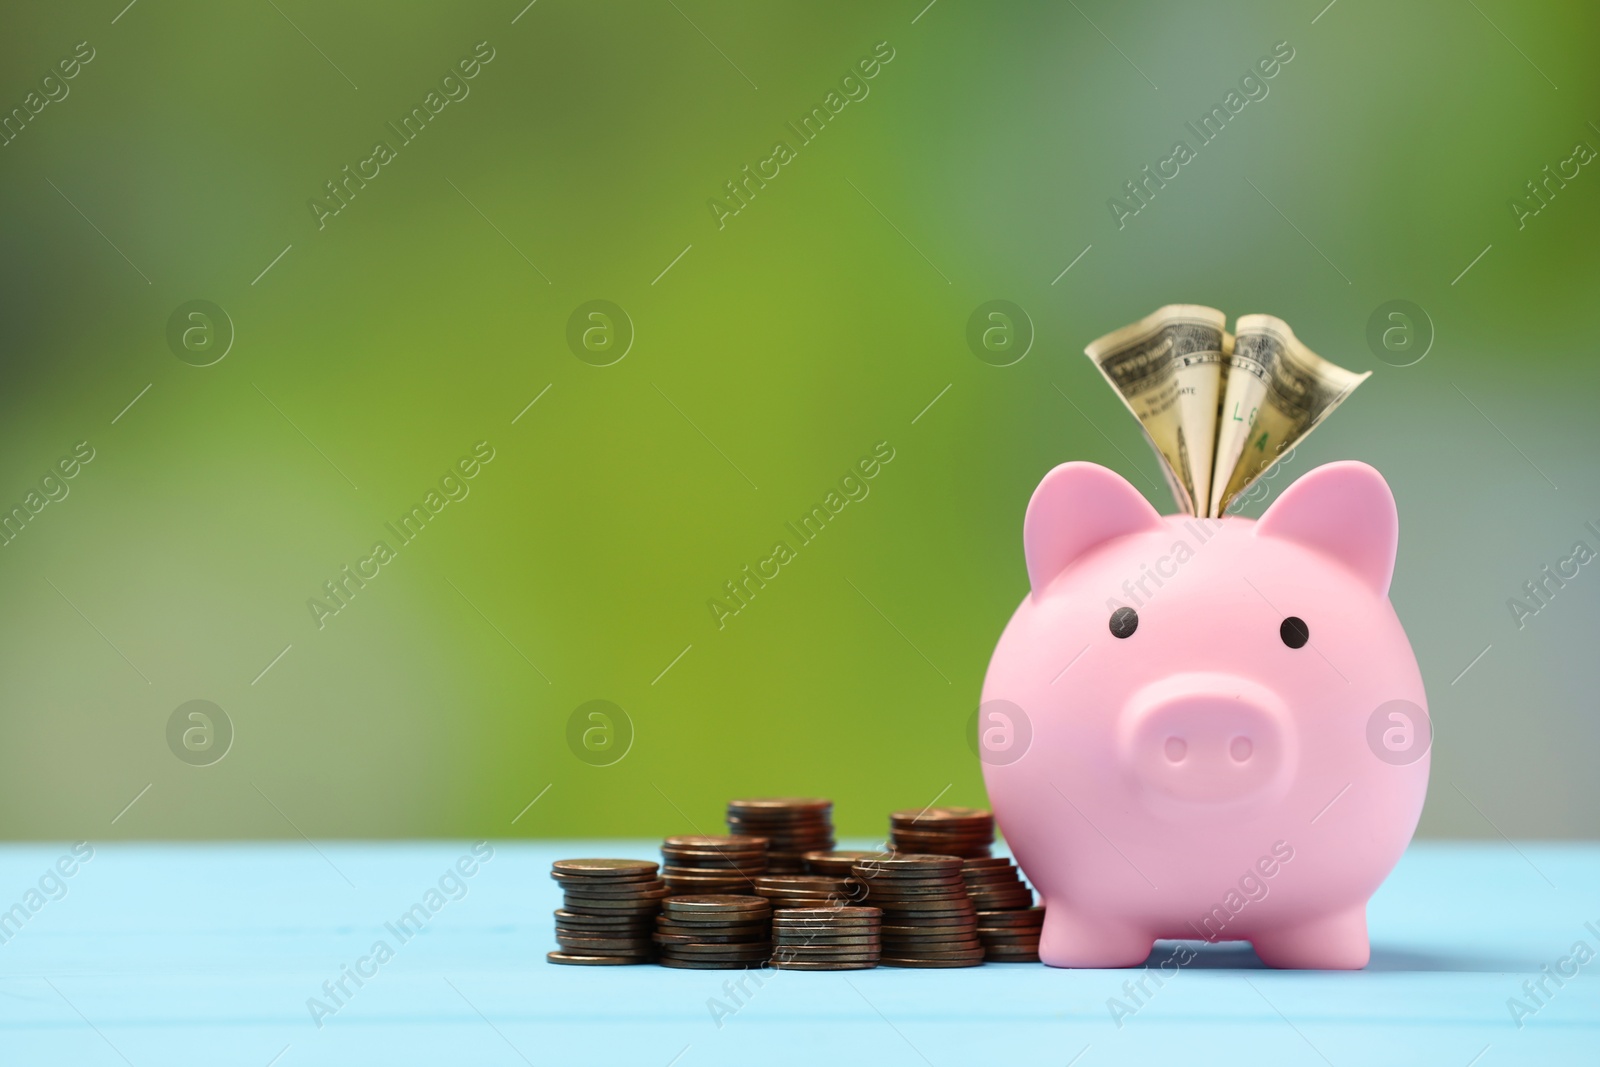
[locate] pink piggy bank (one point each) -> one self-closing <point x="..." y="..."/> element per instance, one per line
<point x="1206" y="728"/>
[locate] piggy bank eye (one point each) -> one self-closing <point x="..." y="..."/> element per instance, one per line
<point x="1294" y="631"/>
<point x="1123" y="622"/>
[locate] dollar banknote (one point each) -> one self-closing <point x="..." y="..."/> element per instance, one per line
<point x="1277" y="392"/>
<point x="1167" y="368"/>
<point x="1219" y="409"/>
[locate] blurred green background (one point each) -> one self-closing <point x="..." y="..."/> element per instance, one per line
<point x="768" y="355"/>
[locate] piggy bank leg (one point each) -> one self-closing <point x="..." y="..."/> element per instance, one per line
<point x="1070" y="939"/>
<point x="1335" y="942"/>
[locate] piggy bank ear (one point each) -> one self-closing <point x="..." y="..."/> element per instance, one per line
<point x="1075" y="508"/>
<point x="1346" y="512"/>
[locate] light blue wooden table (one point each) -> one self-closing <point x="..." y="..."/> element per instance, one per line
<point x="208" y="954"/>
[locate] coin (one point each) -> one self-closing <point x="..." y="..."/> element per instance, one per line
<point x="831" y="914"/>
<point x="932" y="907"/>
<point x="598" y="946"/>
<point x="652" y="890"/>
<point x="895" y="894"/>
<point x="966" y="941"/>
<point x="942" y="816"/>
<point x="1021" y="917"/>
<point x="609" y="919"/>
<point x="998" y="888"/>
<point x="803" y="900"/>
<point x="709" y="965"/>
<point x="642" y="912"/>
<point x="901" y="961"/>
<point x="589" y="880"/>
<point x="824" y="965"/>
<point x="678" y="937"/>
<point x="700" y="904"/>
<point x="705" y="932"/>
<point x="594" y="961"/>
<point x="785" y="828"/>
<point x="1001" y="901"/>
<point x="648" y="901"/>
<point x="948" y="829"/>
<point x="849" y="911"/>
<point x="746" y="950"/>
<point x="714" y="867"/>
<point x="700" y="884"/>
<point x="901" y="834"/>
<point x="577" y="923"/>
<point x="1001" y="946"/>
<point x="780" y="804"/>
<point x="828" y="941"/>
<point x="834" y="863"/>
<point x="918" y="861"/>
<point x="605" y="868"/>
<point x="801" y="882"/>
<point x="713" y="864"/>
<point x="725" y="842"/>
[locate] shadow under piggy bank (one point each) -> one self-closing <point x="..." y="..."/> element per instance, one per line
<point x="1240" y="956"/>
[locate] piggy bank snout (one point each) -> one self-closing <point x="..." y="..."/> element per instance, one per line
<point x="1196" y="741"/>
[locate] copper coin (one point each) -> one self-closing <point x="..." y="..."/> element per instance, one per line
<point x="604" y="868"/>
<point x="608" y="919"/>
<point x="710" y="965"/>
<point x="594" y="961"/>
<point x="917" y="861"/>
<point x="652" y="890"/>
<point x="1020" y="917"/>
<point x="849" y="911"/>
<point x="647" y="900"/>
<point x="700" y="904"/>
<point x="716" y="952"/>
<point x="602" y="946"/>
<point x="940" y="816"/>
<point x="588" y="912"/>
<point x="729" y="934"/>
<point x="838" y="863"/>
<point x="770" y="805"/>
<point x="709" y="842"/>
<point x="642" y="878"/>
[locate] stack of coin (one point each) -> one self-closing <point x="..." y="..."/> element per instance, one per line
<point x="1011" y="936"/>
<point x="696" y="864"/>
<point x="838" y="864"/>
<point x="826" y="939"/>
<point x="609" y="909"/>
<point x="995" y="884"/>
<point x="927" y="919"/>
<point x="807" y="890"/>
<point x="793" y="826"/>
<point x="714" y="932"/>
<point x="942" y="831"/>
